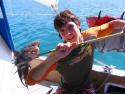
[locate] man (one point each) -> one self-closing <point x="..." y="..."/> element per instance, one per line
<point x="72" y="59"/>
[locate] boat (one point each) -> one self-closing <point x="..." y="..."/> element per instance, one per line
<point x="107" y="79"/>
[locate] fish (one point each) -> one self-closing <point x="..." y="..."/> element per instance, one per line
<point x="22" y="59"/>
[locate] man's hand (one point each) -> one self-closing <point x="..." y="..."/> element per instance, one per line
<point x="64" y="49"/>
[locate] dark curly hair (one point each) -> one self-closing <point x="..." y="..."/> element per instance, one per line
<point x="63" y="17"/>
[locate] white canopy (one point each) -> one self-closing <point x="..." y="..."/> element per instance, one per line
<point x="50" y="3"/>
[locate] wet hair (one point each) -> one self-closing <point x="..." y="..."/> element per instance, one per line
<point x="64" y="17"/>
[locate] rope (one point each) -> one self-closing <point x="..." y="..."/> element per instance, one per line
<point x="107" y="69"/>
<point x="108" y="36"/>
<point x="105" y="80"/>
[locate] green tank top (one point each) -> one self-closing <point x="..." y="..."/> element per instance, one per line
<point x="77" y="74"/>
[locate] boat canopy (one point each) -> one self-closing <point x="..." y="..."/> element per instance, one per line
<point x="4" y="27"/>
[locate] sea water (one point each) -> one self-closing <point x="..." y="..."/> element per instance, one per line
<point x="29" y="21"/>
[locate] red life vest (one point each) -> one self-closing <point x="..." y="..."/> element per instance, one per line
<point x="98" y="20"/>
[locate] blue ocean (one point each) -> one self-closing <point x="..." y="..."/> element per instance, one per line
<point x="30" y="20"/>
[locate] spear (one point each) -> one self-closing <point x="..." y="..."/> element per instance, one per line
<point x="92" y="40"/>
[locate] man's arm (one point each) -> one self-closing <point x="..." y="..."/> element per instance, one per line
<point x="117" y="24"/>
<point x="105" y="29"/>
<point x="40" y="69"/>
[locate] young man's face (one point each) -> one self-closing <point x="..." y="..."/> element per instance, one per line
<point x="70" y="32"/>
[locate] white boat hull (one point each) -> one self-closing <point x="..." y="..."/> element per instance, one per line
<point x="11" y="84"/>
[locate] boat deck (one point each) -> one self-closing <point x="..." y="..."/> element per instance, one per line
<point x="11" y="84"/>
